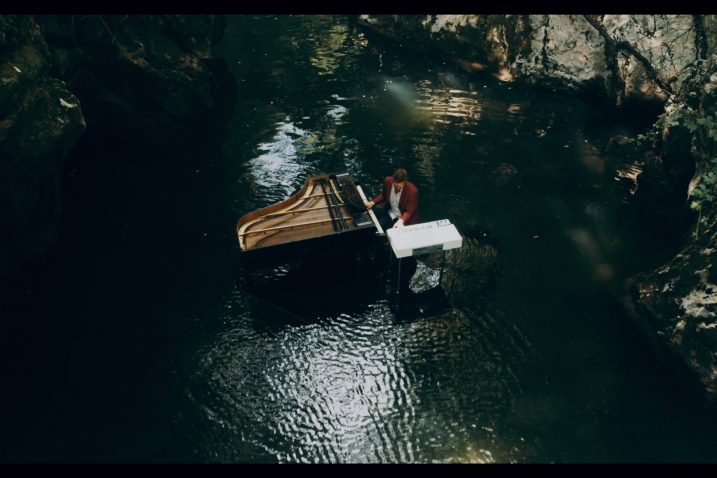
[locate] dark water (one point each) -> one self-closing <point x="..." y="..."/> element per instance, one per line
<point x="143" y="344"/>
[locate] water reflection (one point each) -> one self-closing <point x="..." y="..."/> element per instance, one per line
<point x="360" y="388"/>
<point x="316" y="367"/>
<point x="450" y="106"/>
<point x="328" y="49"/>
<point x="281" y="166"/>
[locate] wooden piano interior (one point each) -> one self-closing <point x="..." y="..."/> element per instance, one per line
<point x="317" y="210"/>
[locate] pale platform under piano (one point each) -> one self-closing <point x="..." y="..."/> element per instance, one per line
<point x="423" y="238"/>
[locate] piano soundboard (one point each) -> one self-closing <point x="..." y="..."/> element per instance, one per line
<point x="423" y="238"/>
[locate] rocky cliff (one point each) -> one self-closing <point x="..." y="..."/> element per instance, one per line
<point x="640" y="57"/>
<point x="136" y="71"/>
<point x="117" y="73"/>
<point x="40" y="120"/>
<point x="678" y="301"/>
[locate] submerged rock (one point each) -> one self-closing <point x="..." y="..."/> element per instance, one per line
<point x="504" y="174"/>
<point x="470" y="273"/>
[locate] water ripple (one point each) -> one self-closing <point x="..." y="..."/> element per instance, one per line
<point x="357" y="383"/>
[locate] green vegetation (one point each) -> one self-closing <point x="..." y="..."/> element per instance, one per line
<point x="704" y="194"/>
<point x="702" y="131"/>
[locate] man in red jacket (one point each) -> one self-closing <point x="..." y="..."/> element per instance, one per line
<point x="402" y="200"/>
<point x="401" y="196"/>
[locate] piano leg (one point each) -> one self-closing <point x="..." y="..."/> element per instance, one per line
<point x="406" y="269"/>
<point x="443" y="264"/>
<point x="398" y="285"/>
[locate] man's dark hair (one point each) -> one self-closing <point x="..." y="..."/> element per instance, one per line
<point x="400" y="175"/>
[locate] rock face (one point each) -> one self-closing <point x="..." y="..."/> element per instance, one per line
<point x="679" y="299"/>
<point x="40" y="120"/>
<point x="119" y="73"/>
<point x="136" y="72"/>
<point x="679" y="302"/>
<point x="577" y="53"/>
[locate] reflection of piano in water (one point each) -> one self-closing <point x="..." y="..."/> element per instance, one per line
<point x="326" y="217"/>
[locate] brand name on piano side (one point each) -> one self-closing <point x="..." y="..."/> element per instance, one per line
<point x="423" y="226"/>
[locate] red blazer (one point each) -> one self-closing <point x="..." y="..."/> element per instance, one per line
<point x="407" y="204"/>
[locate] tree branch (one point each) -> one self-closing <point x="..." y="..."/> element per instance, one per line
<point x="618" y="85"/>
